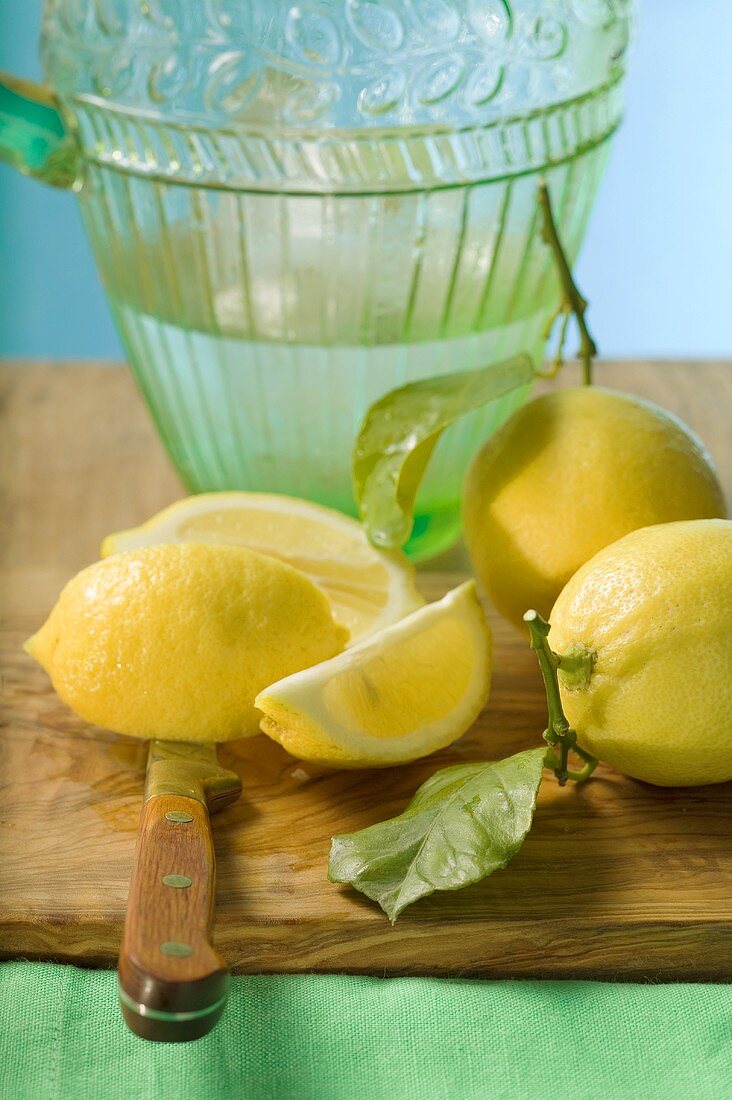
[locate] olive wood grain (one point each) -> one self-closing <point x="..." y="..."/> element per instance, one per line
<point x="616" y="880"/>
<point x="173" y="984"/>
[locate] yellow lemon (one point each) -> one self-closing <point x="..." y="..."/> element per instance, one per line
<point x="176" y="641"/>
<point x="568" y="474"/>
<point x="652" y="616"/>
<point x="367" y="588"/>
<point x="405" y="692"/>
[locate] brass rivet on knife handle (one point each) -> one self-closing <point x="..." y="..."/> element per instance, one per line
<point x="178" y="882"/>
<point x="176" y="949"/>
<point x="177" y="816"/>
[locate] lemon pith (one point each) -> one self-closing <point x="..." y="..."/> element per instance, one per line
<point x="367" y="588"/>
<point x="570" y="473"/>
<point x="654" y="608"/>
<point x="175" y="641"/>
<point x="407" y="691"/>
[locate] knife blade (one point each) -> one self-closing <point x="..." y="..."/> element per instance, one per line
<point x="173" y="985"/>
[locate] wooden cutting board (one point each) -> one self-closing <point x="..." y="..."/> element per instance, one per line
<point x="617" y="879"/>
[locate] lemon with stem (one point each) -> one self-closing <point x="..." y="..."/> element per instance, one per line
<point x="641" y="645"/>
<point x="570" y="473"/>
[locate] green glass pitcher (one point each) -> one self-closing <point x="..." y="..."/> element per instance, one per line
<point x="296" y="207"/>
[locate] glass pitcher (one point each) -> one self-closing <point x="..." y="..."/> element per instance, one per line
<point x="296" y="207"/>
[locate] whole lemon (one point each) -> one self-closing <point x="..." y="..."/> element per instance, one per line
<point x="175" y="641"/>
<point x="650" y="619"/>
<point x="569" y="473"/>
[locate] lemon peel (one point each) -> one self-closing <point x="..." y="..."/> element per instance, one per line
<point x="175" y="641"/>
<point x="570" y="473"/>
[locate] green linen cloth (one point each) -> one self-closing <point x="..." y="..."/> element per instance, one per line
<point x="332" y="1037"/>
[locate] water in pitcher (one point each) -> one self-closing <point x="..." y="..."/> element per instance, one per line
<point x="260" y="338"/>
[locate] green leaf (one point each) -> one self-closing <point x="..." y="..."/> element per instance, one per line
<point x="400" y="431"/>
<point x="462" y="824"/>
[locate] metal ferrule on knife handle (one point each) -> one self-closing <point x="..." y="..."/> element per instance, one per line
<point x="172" y="983"/>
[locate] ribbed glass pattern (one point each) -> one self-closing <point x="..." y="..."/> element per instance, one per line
<point x="260" y="325"/>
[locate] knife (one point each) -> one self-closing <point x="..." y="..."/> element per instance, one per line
<point x="172" y="983"/>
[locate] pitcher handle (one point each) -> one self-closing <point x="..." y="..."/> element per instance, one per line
<point x="33" y="136"/>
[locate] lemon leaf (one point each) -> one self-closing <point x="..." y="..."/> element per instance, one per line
<point x="399" y="433"/>
<point x="462" y="824"/>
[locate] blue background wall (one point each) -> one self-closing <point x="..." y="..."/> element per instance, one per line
<point x="655" y="262"/>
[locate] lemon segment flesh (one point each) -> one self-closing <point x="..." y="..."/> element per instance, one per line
<point x="401" y="694"/>
<point x="367" y="588"/>
<point x="655" y="608"/>
<point x="175" y="641"/>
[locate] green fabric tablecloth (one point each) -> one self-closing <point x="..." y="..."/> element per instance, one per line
<point x="347" y="1038"/>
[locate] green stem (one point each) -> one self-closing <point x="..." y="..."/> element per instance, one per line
<point x="558" y="733"/>
<point x="576" y="666"/>
<point x="573" y="301"/>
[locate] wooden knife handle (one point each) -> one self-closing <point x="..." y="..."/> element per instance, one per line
<point x="172" y="984"/>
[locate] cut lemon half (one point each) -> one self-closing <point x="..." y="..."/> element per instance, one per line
<point x="405" y="692"/>
<point x="367" y="588"/>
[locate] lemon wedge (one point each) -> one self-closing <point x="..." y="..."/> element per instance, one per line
<point x="403" y="693"/>
<point x="368" y="589"/>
